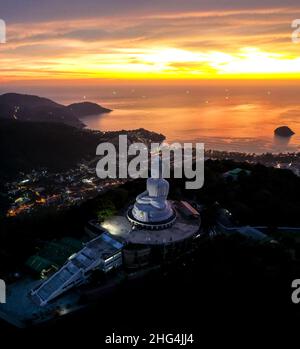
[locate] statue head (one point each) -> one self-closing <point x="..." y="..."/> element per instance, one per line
<point x="157" y="187"/>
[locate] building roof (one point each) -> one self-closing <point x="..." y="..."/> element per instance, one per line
<point x="74" y="271"/>
<point x="236" y="172"/>
<point x="74" y="243"/>
<point x="57" y="252"/>
<point x="252" y="233"/>
<point x="190" y="209"/>
<point x="54" y="253"/>
<point x="38" y="263"/>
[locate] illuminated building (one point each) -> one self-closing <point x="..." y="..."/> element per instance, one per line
<point x="103" y="253"/>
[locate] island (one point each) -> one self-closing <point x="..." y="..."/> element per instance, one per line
<point x="283" y="131"/>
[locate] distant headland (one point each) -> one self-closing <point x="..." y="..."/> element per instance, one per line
<point x="14" y="106"/>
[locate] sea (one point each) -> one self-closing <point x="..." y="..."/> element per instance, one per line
<point x="226" y="117"/>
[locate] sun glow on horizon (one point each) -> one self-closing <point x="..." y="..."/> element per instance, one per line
<point x="168" y="63"/>
<point x="254" y="45"/>
<point x="182" y="64"/>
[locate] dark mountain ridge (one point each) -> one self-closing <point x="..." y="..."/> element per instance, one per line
<point x="14" y="106"/>
<point x="26" y="146"/>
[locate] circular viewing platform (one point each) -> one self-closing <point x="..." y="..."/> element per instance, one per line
<point x="151" y="225"/>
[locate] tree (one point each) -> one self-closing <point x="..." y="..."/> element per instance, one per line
<point x="106" y="210"/>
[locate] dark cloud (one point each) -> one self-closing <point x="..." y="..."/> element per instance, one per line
<point x="40" y="10"/>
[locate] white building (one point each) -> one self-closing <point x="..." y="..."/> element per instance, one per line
<point x="103" y="252"/>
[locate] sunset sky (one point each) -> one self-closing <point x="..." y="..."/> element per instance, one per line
<point x="143" y="40"/>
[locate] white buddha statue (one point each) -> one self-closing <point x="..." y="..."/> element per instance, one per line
<point x="152" y="205"/>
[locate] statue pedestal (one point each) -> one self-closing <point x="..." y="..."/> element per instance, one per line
<point x="151" y="225"/>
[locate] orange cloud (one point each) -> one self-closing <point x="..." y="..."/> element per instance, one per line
<point x="246" y="43"/>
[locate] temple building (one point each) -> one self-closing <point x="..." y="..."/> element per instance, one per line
<point x="154" y="229"/>
<point x="103" y="253"/>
